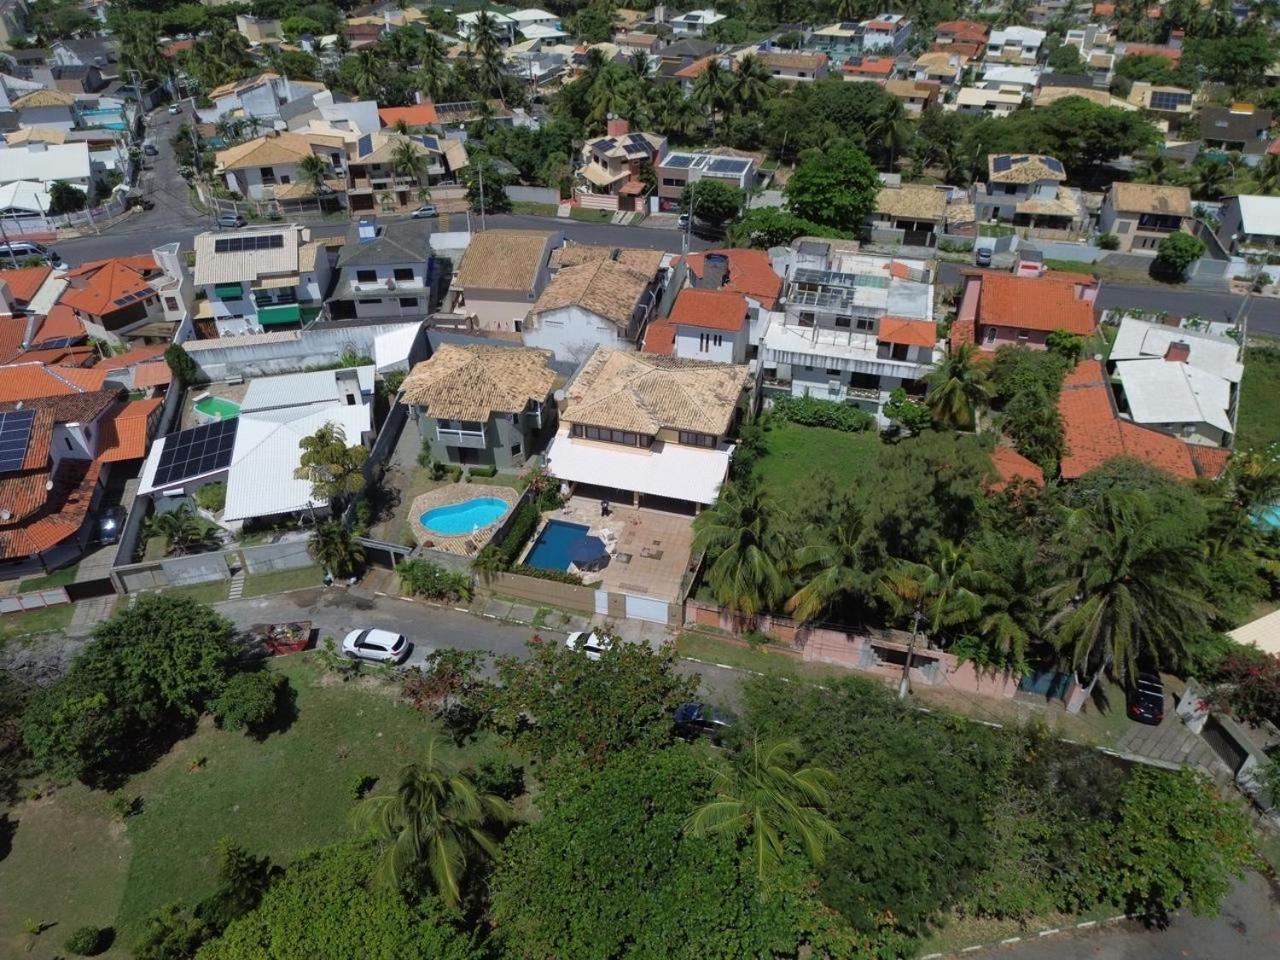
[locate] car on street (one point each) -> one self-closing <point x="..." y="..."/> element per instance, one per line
<point x="425" y="212"/>
<point x="693" y="720"/>
<point x="683" y="222"/>
<point x="592" y="644"/>
<point x="150" y="149"/>
<point x="983" y="257"/>
<point x="1146" y="699"/>
<point x="229" y="221"/>
<point x="17" y="252"/>
<point x="175" y="109"/>
<point x="381" y="646"/>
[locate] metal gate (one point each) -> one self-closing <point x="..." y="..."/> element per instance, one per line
<point x="646" y="608"/>
<point x="602" y="602"/>
<point x="1231" y="753"/>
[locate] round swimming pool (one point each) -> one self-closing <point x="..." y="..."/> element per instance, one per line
<point x="465" y="517"/>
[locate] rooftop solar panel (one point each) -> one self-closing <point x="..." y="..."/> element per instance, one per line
<point x="678" y="160"/>
<point x="1001" y="164"/>
<point x="728" y="165"/>
<point x="1053" y="164"/>
<point x="431" y="143"/>
<point x="273" y="241"/>
<point x="195" y="452"/>
<point x="15" y="436"/>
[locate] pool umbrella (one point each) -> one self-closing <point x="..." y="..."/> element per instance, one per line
<point x="586" y="551"/>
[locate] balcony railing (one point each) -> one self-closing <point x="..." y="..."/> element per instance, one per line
<point x="461" y="438"/>
<point x="387" y="286"/>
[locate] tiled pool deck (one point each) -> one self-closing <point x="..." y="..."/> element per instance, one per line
<point x="463" y="544"/>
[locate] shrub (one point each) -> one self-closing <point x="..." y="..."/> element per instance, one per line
<point x="1109" y="241"/>
<point x="212" y="496"/>
<point x="518" y="534"/>
<point x="426" y="579"/>
<point x="454" y="472"/>
<point x="500" y="777"/>
<point x="811" y="412"/>
<point x="249" y="700"/>
<point x="559" y="576"/>
<point x="362" y="784"/>
<point x="483" y="471"/>
<point x="86" y="941"/>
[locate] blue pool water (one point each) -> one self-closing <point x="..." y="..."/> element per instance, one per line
<point x="464" y="517"/>
<point x="1270" y="516"/>
<point x="551" y="549"/>
<point x="108" y="119"/>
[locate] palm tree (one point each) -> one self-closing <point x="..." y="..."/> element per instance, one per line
<point x="1267" y="174"/>
<point x="1124" y="592"/>
<point x="1011" y="614"/>
<point x="182" y="530"/>
<point x="764" y="795"/>
<point x="673" y="112"/>
<point x="739" y="535"/>
<point x="1252" y="480"/>
<point x="893" y="130"/>
<point x="751" y="84"/>
<point x="610" y="95"/>
<point x="1209" y="179"/>
<point x="711" y="89"/>
<point x="486" y="44"/>
<point x="830" y="565"/>
<point x="314" y="173"/>
<point x="958" y="387"/>
<point x="638" y="63"/>
<point x="434" y="824"/>
<point x="366" y="75"/>
<point x="410" y="160"/>
<point x="432" y="77"/>
<point x="333" y="546"/>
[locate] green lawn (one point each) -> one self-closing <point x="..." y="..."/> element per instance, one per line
<point x="210" y="592"/>
<point x="1259" y="426"/>
<point x="592" y="216"/>
<point x="59" y="578"/>
<point x="765" y="658"/>
<point x="280" y="581"/>
<point x="796" y="454"/>
<point x="531" y="209"/>
<point x="14" y="626"/>
<point x="72" y="864"/>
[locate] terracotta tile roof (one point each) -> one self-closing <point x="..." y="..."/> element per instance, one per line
<point x="641" y="259"/>
<point x="750" y="273"/>
<point x="475" y="381"/>
<point x="1104" y="9"/>
<point x="94" y="288"/>
<point x="136" y="355"/>
<point x="1024" y="168"/>
<point x="694" y="69"/>
<point x="74" y="407"/>
<point x="177" y="47"/>
<point x="419" y="115"/>
<point x="644" y="392"/>
<point x="908" y="332"/>
<point x="44" y="98"/>
<point x="272" y="150"/>
<point x="794" y="61"/>
<point x="54" y="356"/>
<point x="710" y="309"/>
<point x="29" y="381"/>
<point x="1209" y="461"/>
<point x="1151" y="198"/>
<point x="504" y="259"/>
<point x="24" y="282"/>
<point x="1011" y="466"/>
<point x="910" y="89"/>
<point x="1152" y="50"/>
<point x="153" y="374"/>
<point x="1034" y="303"/>
<point x="60" y="323"/>
<point x="605" y="288"/>
<point x="872" y="66"/>
<point x="58" y="514"/>
<point x="660" y="338"/>
<point x="969" y="30"/>
<point x="125" y="436"/>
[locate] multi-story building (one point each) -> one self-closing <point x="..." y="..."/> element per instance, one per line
<point x="854" y="327"/>
<point x="385" y="270"/>
<point x="1250" y="224"/>
<point x="613" y="163"/>
<point x="1140" y="215"/>
<point x="1161" y="99"/>
<point x="1028" y="190"/>
<point x="977" y="100"/>
<point x="500" y="276"/>
<point x="678" y="169"/>
<point x="267" y="167"/>
<point x="1016" y="45"/>
<point x="886" y="34"/>
<point x="1241" y="126"/>
<point x="839" y="41"/>
<point x="703" y="325"/>
<point x="375" y="181"/>
<point x="797" y="67"/>
<point x="695" y="23"/>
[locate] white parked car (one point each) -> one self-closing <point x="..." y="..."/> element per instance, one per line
<point x="591" y="643"/>
<point x="380" y="645"/>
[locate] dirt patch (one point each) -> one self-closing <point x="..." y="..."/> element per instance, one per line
<point x="42" y="660"/>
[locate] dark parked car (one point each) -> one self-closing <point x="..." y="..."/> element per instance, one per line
<point x="694" y="720"/>
<point x="983" y="257"/>
<point x="110" y="523"/>
<point x="1146" y="699"/>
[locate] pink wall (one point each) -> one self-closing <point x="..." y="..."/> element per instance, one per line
<point x="969" y="301"/>
<point x="1008" y="337"/>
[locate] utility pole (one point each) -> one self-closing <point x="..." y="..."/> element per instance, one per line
<point x="482" y="217"/>
<point x="904" y="685"/>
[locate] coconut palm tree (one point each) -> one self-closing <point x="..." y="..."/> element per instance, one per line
<point x="313" y="172"/>
<point x="486" y="44"/>
<point x="1124" y="593"/>
<point x="1252" y="480"/>
<point x="958" y="387"/>
<point x="673" y="112"/>
<point x="610" y="95"/>
<point x="947" y="590"/>
<point x="829" y="565"/>
<point x="333" y="546"/>
<point x="410" y="160"/>
<point x="366" y="75"/>
<point x="893" y="131"/>
<point x="434" y="826"/>
<point x="1209" y="179"/>
<point x="762" y="794"/>
<point x="711" y="90"/>
<point x="432" y="77"/>
<point x="751" y="84"/>
<point x="739" y="536"/>
<point x="1267" y="174"/>
<point x="182" y="530"/>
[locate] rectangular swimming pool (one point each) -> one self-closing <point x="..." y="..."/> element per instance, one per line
<point x="551" y="550"/>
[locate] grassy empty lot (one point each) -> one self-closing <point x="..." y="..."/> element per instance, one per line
<point x="796" y="454"/>
<point x="14" y="626"/>
<point x="72" y="863"/>
<point x="59" y="578"/>
<point x="1259" y="427"/>
<point x="279" y="581"/>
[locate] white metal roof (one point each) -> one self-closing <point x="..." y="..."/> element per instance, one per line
<point x="392" y="348"/>
<point x="1017" y="34"/>
<point x="1263" y="633"/>
<point x="45" y="163"/>
<point x="1260" y="216"/>
<point x="1141" y="340"/>
<point x="1165" y="392"/>
<point x="531" y="15"/>
<point x="24" y="195"/>
<point x="666" y="470"/>
<point x="294" y="389"/>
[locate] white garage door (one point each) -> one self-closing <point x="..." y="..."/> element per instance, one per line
<point x="646" y="608"/>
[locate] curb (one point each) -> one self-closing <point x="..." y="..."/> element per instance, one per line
<point x="1028" y="937"/>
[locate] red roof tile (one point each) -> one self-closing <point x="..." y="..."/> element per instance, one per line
<point x="136" y="355"/>
<point x="153" y="374"/>
<point x="29" y="381"/>
<point x="125" y="436"/>
<point x="710" y="309"/>
<point x="1210" y="461"/>
<point x="95" y="287"/>
<point x="907" y="332"/>
<point x="871" y="66"/>
<point x="1012" y="466"/>
<point x="964" y="30"/>
<point x="750" y="273"/>
<point x="61" y="323"/>
<point x="419" y="115"/>
<point x="1152" y="50"/>
<point x="694" y="69"/>
<point x="25" y="281"/>
<point x="1035" y="303"/>
<point x="660" y="338"/>
<point x="61" y="512"/>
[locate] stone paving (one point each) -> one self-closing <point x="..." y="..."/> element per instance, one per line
<point x="1171" y="743"/>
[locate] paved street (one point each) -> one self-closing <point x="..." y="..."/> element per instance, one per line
<point x="1247" y="929"/>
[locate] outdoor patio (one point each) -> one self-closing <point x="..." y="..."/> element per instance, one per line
<point x="649" y="548"/>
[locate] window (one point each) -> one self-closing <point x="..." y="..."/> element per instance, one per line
<point x="409" y="303"/>
<point x="268" y="174"/>
<point x="991" y="335"/>
<point x="865" y="325"/>
<point x="806" y="320"/>
<point x="672" y="182"/>
<point x="403" y="273"/>
<point x="833" y="372"/>
<point x="171" y="303"/>
<point x="519" y="325"/>
<point x="284" y="178"/>
<point x="690" y="439"/>
<point x="626" y="438"/>
<point x="67" y="440"/>
<point x="369" y="300"/>
<point x="900" y="351"/>
<point x="366" y="276"/>
<point x="718" y="340"/>
<point x="843" y="322"/>
<point x="703" y="342"/>
<point x="515" y="449"/>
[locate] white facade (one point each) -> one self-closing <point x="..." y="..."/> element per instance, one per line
<point x="572" y="333"/>
<point x="695" y="23"/>
<point x="719" y="346"/>
<point x="1016" y="43"/>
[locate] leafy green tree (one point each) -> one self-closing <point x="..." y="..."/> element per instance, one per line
<point x="836" y="187"/>
<point x="243" y="880"/>
<point x="910" y="416"/>
<point x="714" y="201"/>
<point x="763" y="795"/>
<point x="1032" y="421"/>
<point x="584" y="711"/>
<point x="65" y="198"/>
<point x="180" y="364"/>
<point x="326" y="906"/>
<point x="1066" y="59"/>
<point x="335" y="547"/>
<point x="486" y="187"/>
<point x="171" y="933"/>
<point x="752" y="84"/>
<point x="249" y="701"/>
<point x="742" y="546"/>
<point x="1152" y="69"/>
<point x="958" y="387"/>
<point x="765" y="227"/>
<point x="434" y="827"/>
<point x="1177" y="252"/>
<point x="333" y="468"/>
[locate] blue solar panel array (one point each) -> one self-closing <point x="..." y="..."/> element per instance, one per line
<point x="1052" y="164"/>
<point x="678" y="160"/>
<point x="364" y="146"/>
<point x="195" y="452"/>
<point x="431" y="143"/>
<point x="728" y="165"/>
<point x="1001" y="164"/>
<point x="15" y="437"/>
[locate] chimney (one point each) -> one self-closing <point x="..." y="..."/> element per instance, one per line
<point x="1179" y="351"/>
<point x="617" y="127"/>
<point x="367" y="231"/>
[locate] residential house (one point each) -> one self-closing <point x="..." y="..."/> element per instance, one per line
<point x="1140" y="215"/>
<point x="940" y="67"/>
<point x="605" y="300"/>
<point x="1161" y="99"/>
<point x="416" y="118"/>
<point x="76" y="80"/>
<point x="649" y="43"/>
<point x="918" y="211"/>
<point x="695" y="23"/>
<point x="1028" y="189"/>
<point x="502" y="23"/>
<point x="854" y="326"/>
<point x="502" y="274"/>
<point x="259" y="278"/>
<point x="1094" y="432"/>
<point x="257" y="453"/>
<point x="385" y="270"/>
<point x="739" y="270"/>
<point x="873" y="69"/>
<point x="266" y="168"/>
<point x="999" y="76"/>
<point x="46" y="108"/>
<point x="1096" y="45"/>
<point x="1250" y="224"/>
<point x="887" y="34"/>
<point x="978" y="100"/>
<point x="795" y="67"/>
<point x="119" y="298"/>
<point x="703" y="325"/>
<point x="1182" y="382"/>
<point x="1015" y="45"/>
<point x="374" y="182"/>
<point x="33" y="327"/>
<point x="839" y="41"/>
<point x="650" y="430"/>
<point x="533" y="17"/>
<point x="258" y="30"/>
<point x="678" y="169"/>
<point x="614" y="164"/>
<point x="100" y="52"/>
<point x="961" y="31"/>
<point x="1241" y="126"/>
<point x="1001" y="309"/>
<point x="42" y="164"/>
<point x="482" y="404"/>
<point x="916" y="95"/>
<point x="256" y="98"/>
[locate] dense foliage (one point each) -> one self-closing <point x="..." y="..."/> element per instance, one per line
<point x="812" y="412"/>
<point x="249" y="701"/>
